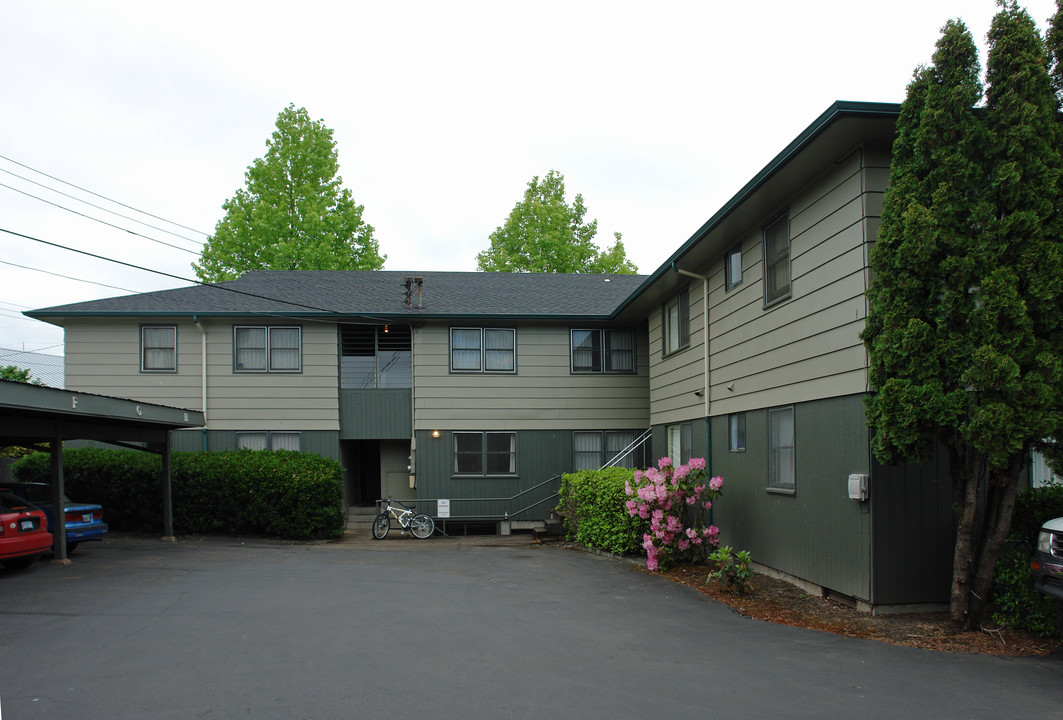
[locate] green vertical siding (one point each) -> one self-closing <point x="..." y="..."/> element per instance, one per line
<point x="914" y="531"/>
<point x="383" y="414"/>
<point x="818" y="533"/>
<point x="541" y="454"/>
<point x="321" y="442"/>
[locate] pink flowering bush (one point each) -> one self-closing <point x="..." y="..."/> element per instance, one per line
<point x="674" y="500"/>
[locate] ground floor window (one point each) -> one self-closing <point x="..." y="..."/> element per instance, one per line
<point x="678" y="442"/>
<point x="736" y="432"/>
<point x="594" y="450"/>
<point x="781" y="446"/>
<point x="269" y="441"/>
<point x="485" y="453"/>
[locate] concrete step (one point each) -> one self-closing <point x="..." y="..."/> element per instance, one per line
<point x="360" y="518"/>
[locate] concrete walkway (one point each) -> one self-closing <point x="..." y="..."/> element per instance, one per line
<point x="443" y="628"/>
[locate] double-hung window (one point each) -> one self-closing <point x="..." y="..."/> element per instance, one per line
<point x="611" y="351"/>
<point x="732" y="268"/>
<point x="485" y="453"/>
<point x="781" y="465"/>
<point x="267" y="349"/>
<point x="593" y="450"/>
<point x="158" y="348"/>
<point x="679" y="441"/>
<point x="736" y="432"/>
<point x="675" y="323"/>
<point x="269" y="441"/>
<point x="777" y="260"/>
<point x="488" y="350"/>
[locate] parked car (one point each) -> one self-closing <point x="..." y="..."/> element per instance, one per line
<point x="84" y="521"/>
<point x="1047" y="561"/>
<point x="24" y="532"/>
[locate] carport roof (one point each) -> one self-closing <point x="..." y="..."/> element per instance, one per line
<point x="31" y="413"/>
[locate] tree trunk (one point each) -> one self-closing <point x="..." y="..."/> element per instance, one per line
<point x="1005" y="487"/>
<point x="963" y="559"/>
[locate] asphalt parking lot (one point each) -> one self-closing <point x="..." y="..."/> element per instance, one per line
<point x="443" y="628"/>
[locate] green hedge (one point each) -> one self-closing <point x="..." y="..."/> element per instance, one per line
<point x="1015" y="602"/>
<point x="593" y="511"/>
<point x="282" y="494"/>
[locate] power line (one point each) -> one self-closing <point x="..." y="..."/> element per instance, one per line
<point x="86" y="202"/>
<point x="171" y="275"/>
<point x="103" y="222"/>
<point x="103" y="197"/>
<point x="65" y="277"/>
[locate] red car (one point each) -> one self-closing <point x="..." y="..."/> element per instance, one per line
<point x="24" y="532"/>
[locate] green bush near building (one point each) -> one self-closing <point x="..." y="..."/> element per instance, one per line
<point x="283" y="494"/>
<point x="593" y="511"/>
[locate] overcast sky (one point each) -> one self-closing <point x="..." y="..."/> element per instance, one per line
<point x="442" y="111"/>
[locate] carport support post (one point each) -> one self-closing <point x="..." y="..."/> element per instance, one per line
<point x="167" y="496"/>
<point x="59" y="507"/>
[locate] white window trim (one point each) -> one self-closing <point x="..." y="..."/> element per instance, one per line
<point x="681" y="329"/>
<point x="736" y="430"/>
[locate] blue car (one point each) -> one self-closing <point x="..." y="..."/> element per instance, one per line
<point x="84" y="521"/>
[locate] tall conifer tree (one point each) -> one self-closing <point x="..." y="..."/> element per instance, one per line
<point x="963" y="333"/>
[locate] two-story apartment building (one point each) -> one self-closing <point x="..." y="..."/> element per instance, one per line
<point x="743" y="347"/>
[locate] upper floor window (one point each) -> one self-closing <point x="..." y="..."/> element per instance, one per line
<point x="158" y="348"/>
<point x="485" y="453"/>
<point x="777" y="260"/>
<point x="781" y="462"/>
<point x="611" y="351"/>
<point x="483" y="350"/>
<point x="676" y="323"/>
<point x="732" y="267"/>
<point x="267" y="349"/>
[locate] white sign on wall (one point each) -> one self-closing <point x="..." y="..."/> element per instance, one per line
<point x="443" y="508"/>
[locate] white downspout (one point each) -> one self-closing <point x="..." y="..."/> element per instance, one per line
<point x="704" y="328"/>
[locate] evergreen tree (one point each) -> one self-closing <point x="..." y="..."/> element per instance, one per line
<point x="294" y="213"/>
<point x="962" y="334"/>
<point x="543" y="233"/>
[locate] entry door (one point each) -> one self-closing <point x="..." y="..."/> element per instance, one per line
<point x="395" y="469"/>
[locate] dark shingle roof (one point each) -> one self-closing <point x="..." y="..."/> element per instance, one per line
<point x="376" y="293"/>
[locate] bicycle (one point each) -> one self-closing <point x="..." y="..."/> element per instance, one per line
<point x="419" y="524"/>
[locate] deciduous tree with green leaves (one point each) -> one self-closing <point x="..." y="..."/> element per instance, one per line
<point x="964" y="331"/>
<point x="294" y="213"/>
<point x="545" y="234"/>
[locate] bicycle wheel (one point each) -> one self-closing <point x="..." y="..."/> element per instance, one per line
<point x="381" y="526"/>
<point x="422" y="526"/>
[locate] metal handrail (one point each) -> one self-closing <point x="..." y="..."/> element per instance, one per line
<point x="508" y="514"/>
<point x="629" y="449"/>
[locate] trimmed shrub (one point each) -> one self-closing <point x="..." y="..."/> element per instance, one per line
<point x="281" y="493"/>
<point x="592" y="508"/>
<point x="1014" y="601"/>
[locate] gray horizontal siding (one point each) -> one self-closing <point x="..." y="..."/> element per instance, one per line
<point x="542" y="395"/>
<point x="103" y="356"/>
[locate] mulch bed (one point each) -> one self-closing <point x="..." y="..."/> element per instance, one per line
<point x="780" y="602"/>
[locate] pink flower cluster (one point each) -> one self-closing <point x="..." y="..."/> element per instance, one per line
<point x="674" y="499"/>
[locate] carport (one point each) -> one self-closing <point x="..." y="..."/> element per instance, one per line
<point x="31" y="415"/>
